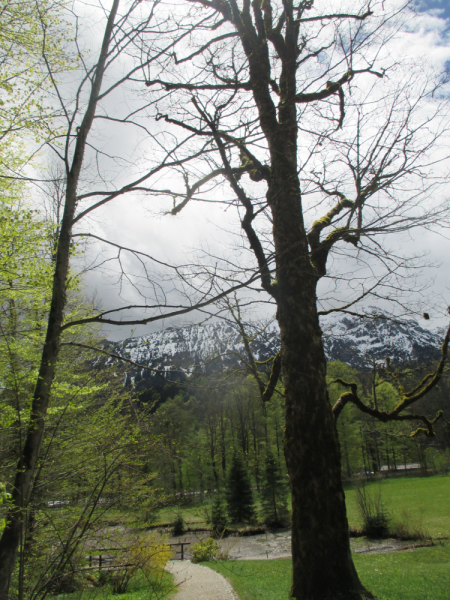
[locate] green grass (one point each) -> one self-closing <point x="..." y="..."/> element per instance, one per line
<point x="194" y="514"/>
<point x="420" y="575"/>
<point x="421" y="498"/>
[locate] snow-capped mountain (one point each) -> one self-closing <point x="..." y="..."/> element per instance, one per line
<point x="359" y="342"/>
<point x="216" y="346"/>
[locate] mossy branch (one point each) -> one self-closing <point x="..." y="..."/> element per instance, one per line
<point x="320" y="248"/>
<point x="273" y="379"/>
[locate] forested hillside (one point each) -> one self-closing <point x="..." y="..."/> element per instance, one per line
<point x="205" y="405"/>
<point x="202" y="421"/>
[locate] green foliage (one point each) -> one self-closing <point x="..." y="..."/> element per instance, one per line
<point x="239" y="493"/>
<point x="274" y="494"/>
<point x="204" y="550"/>
<point x="3" y="498"/>
<point x="91" y="474"/>
<point x="368" y="445"/>
<point x="202" y="425"/>
<point x="25" y="276"/>
<point x="147" y="555"/>
<point x="33" y="39"/>
<point x="219" y="519"/>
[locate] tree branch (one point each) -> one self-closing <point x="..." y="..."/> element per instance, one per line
<point x="362" y="17"/>
<point x="408" y="398"/>
<point x="176" y="313"/>
<point x="246" y="222"/>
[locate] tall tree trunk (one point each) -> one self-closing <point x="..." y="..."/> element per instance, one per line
<point x="26" y="467"/>
<point x="322" y="564"/>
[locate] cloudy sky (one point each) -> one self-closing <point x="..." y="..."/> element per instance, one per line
<point x="140" y="222"/>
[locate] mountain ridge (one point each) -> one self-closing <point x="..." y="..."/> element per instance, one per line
<point x="217" y="346"/>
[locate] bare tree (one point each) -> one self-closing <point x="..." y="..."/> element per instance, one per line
<point x="82" y="186"/>
<point x="264" y="87"/>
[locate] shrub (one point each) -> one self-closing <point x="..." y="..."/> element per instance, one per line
<point x="374" y="515"/>
<point x="148" y="555"/>
<point x="178" y="526"/>
<point x="204" y="550"/>
<point x="407" y="527"/>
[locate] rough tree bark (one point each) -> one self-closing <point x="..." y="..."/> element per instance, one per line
<point x="322" y="564"/>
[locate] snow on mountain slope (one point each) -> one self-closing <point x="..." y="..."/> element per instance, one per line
<point x="360" y="341"/>
<point x="215" y="346"/>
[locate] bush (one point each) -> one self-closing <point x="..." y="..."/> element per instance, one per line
<point x="148" y="555"/>
<point x="178" y="526"/>
<point x="204" y="550"/>
<point x="407" y="527"/>
<point x="374" y="515"/>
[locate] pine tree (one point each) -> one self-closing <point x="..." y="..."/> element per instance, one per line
<point x="239" y="492"/>
<point x="218" y="516"/>
<point x="273" y="494"/>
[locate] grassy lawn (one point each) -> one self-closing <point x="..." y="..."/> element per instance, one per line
<point x="413" y="498"/>
<point x="193" y="514"/>
<point x="423" y="574"/>
<point x="420" y="575"/>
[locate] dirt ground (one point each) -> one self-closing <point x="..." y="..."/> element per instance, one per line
<point x="278" y="545"/>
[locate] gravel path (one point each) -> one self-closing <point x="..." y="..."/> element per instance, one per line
<point x="199" y="583"/>
<point x="267" y="546"/>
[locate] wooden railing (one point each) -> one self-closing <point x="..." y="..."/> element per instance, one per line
<point x="104" y="560"/>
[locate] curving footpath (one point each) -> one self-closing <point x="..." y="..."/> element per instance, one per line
<point x="199" y="583"/>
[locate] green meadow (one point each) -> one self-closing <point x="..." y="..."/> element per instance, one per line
<point x="420" y="574"/>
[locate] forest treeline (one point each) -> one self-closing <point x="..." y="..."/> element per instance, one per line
<point x="202" y="423"/>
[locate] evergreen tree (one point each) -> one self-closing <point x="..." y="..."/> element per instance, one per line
<point x="273" y="494"/>
<point x="239" y="492"/>
<point x="218" y="516"/>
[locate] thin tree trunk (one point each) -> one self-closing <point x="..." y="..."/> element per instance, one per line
<point x="222" y="444"/>
<point x="212" y="451"/>
<point x="26" y="467"/>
